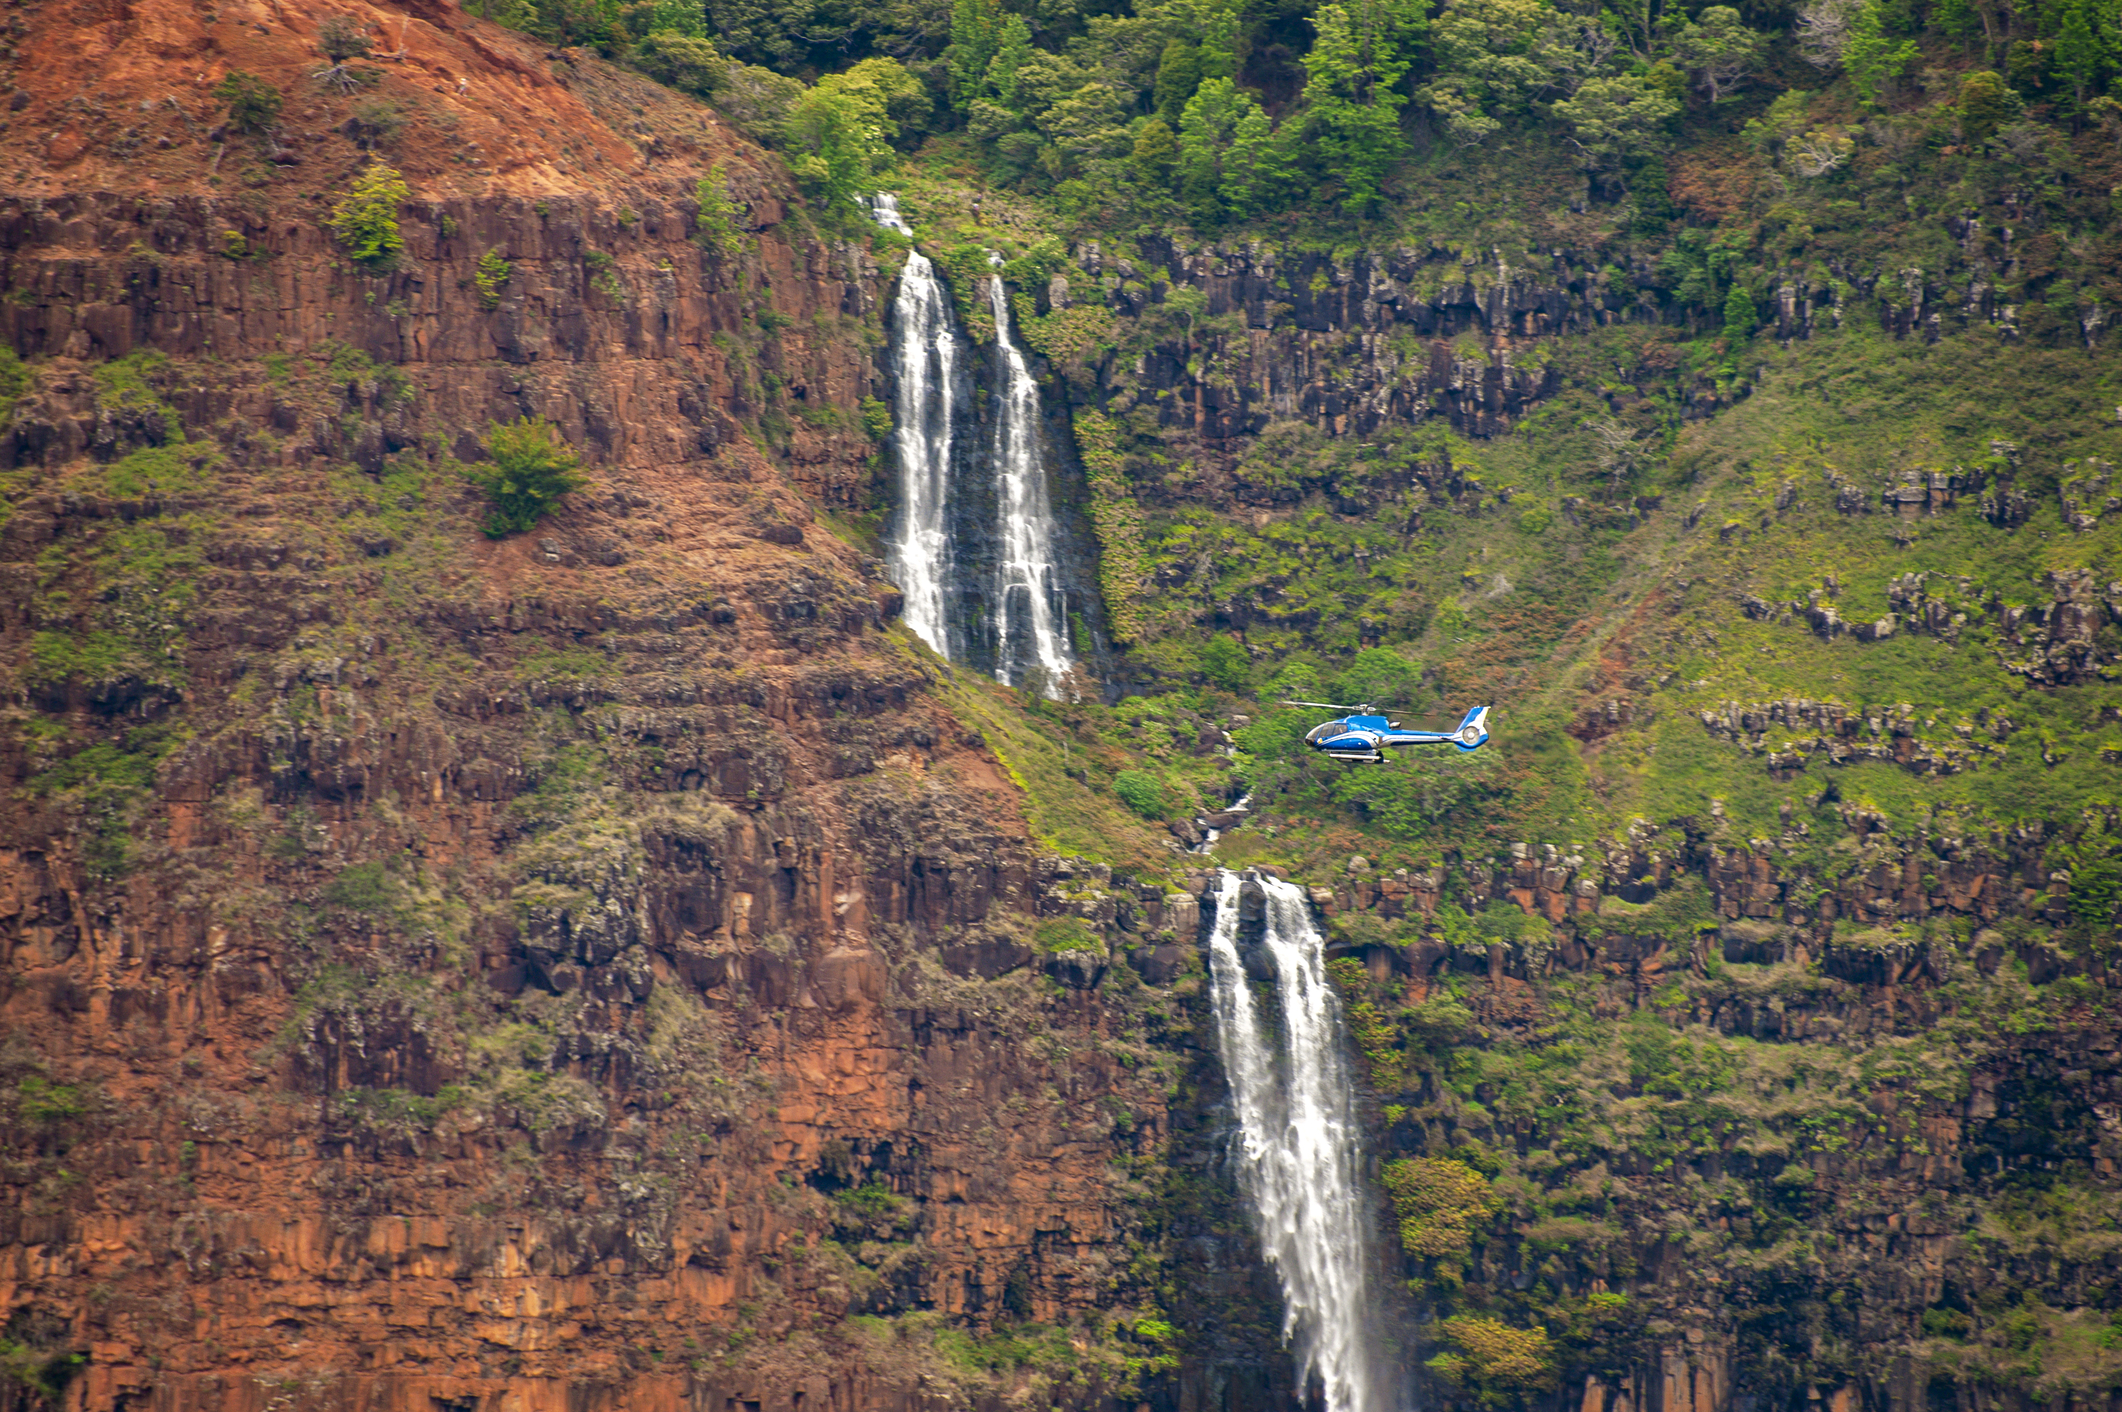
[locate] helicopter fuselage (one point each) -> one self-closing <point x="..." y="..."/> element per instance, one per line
<point x="1364" y="739"/>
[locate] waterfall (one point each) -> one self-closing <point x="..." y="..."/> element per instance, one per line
<point x="1027" y="587"/>
<point x="975" y="547"/>
<point x="1297" y="1146"/>
<point x="925" y="403"/>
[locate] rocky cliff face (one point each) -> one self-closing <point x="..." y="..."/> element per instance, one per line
<point x="582" y="969"/>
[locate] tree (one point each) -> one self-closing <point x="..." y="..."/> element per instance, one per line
<point x="1611" y="118"/>
<point x="528" y="469"/>
<point x="2080" y="55"/>
<point x="1824" y="28"/>
<point x="1351" y="90"/>
<point x="253" y="104"/>
<point x="975" y="36"/>
<point x="1495" y="58"/>
<point x="366" y="221"/>
<point x="1088" y="125"/>
<point x="685" y="18"/>
<point x="1012" y="50"/>
<point x="1178" y="74"/>
<point x="1207" y="131"/>
<point x="1718" y="49"/>
<point x="684" y="62"/>
<point x="1873" y="58"/>
<point x="1155" y="150"/>
<point x="842" y="128"/>
<point x="342" y="42"/>
<point x="1257" y="171"/>
<point x="1986" y="103"/>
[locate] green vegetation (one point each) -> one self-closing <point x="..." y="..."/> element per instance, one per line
<point x="717" y="215"/>
<point x="528" y="470"/>
<point x="366" y="219"/>
<point x="488" y="276"/>
<point x="253" y="104"/>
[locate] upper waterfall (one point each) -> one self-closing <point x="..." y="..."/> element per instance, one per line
<point x="975" y="545"/>
<point x="1297" y="1150"/>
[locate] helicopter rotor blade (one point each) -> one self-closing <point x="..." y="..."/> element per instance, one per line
<point x="1324" y="705"/>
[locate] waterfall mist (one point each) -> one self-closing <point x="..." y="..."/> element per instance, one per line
<point x="1297" y="1151"/>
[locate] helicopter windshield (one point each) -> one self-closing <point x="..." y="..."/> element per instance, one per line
<point x="1325" y="730"/>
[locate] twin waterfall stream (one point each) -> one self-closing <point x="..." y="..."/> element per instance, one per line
<point x="1292" y="1094"/>
<point x="974" y="550"/>
<point x="975" y="546"/>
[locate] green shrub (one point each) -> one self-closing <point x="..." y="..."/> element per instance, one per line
<point x="681" y="61"/>
<point x="253" y="104"/>
<point x="1057" y="934"/>
<point x="1498" y="1364"/>
<point x="717" y="228"/>
<point x="529" y="469"/>
<point x="366" y="222"/>
<point x="491" y="273"/>
<point x="365" y="887"/>
<point x="1140" y="792"/>
<point x="1441" y="1204"/>
<point x="876" y="419"/>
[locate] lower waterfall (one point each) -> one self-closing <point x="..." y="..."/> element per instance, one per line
<point x="1297" y="1153"/>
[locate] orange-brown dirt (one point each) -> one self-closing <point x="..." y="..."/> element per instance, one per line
<point x="575" y="970"/>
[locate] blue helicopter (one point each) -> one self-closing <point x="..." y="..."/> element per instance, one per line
<point x="1362" y="736"/>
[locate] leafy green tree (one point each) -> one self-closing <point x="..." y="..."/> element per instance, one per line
<point x="1220" y="27"/>
<point x="1873" y="57"/>
<point x="1012" y="51"/>
<point x="366" y="221"/>
<point x="685" y="18"/>
<point x="1351" y="89"/>
<point x="1226" y="663"/>
<point x="840" y="131"/>
<point x="1612" y="118"/>
<point x="1087" y="126"/>
<point x="1155" y="152"/>
<point x="1178" y="75"/>
<point x="1986" y="103"/>
<point x="253" y="104"/>
<point x="1496" y="58"/>
<point x="1208" y="131"/>
<point x="1259" y="170"/>
<point x="716" y="212"/>
<point x="2080" y="55"/>
<point x="685" y="62"/>
<point x="975" y="37"/>
<point x="1740" y="316"/>
<point x="528" y="469"/>
<point x="1718" y="49"/>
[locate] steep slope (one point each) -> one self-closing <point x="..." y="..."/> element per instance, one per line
<point x="583" y="968"/>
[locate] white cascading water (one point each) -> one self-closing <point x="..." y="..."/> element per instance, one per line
<point x="1297" y="1151"/>
<point x="1027" y="581"/>
<point x="924" y="397"/>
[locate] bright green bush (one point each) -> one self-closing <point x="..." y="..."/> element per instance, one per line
<point x="491" y="273"/>
<point x="528" y="470"/>
<point x="1140" y="792"/>
<point x="717" y="227"/>
<point x="366" y="221"/>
